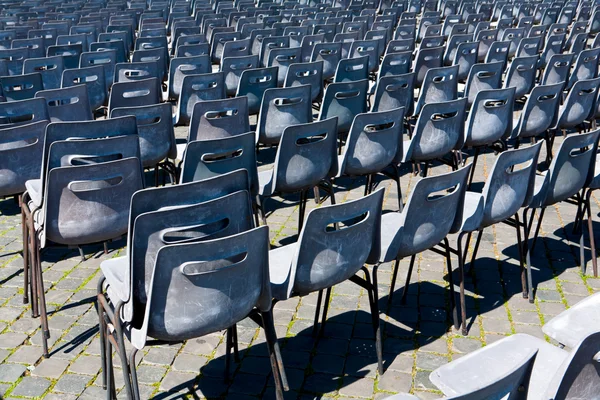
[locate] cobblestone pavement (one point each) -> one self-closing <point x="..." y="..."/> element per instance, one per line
<point x="418" y="337"/>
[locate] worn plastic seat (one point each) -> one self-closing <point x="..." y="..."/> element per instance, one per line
<point x="571" y="326"/>
<point x="309" y="73"/>
<point x="558" y="69"/>
<point x="32" y="48"/>
<point x="344" y="100"/>
<point x="352" y="69"/>
<point x="395" y="64"/>
<point x="484" y="76"/>
<point x="306" y="158"/>
<point x="134" y="71"/>
<point x="219" y="118"/>
<point x="521" y="75"/>
<point x="330" y="54"/>
<point x="280" y="108"/>
<point x="529" y="47"/>
<point x="578" y="104"/>
<point x="394" y="91"/>
<point x="585" y="66"/>
<point x="67" y="104"/>
<point x="107" y="59"/>
<point x="94" y="79"/>
<point x="20" y="155"/>
<point x="144" y="92"/>
<point x="179" y="67"/>
<point x="155" y="132"/>
<point x="282" y="58"/>
<point x="538" y="113"/>
<point x="198" y="88"/>
<point x="233" y="67"/>
<point x="117" y="45"/>
<point x="69" y="52"/>
<point x="439" y="84"/>
<point x="21" y="112"/>
<point x="253" y="83"/>
<point x="427" y="58"/>
<point x="21" y="87"/>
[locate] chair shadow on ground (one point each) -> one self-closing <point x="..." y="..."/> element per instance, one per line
<point x="10" y="207"/>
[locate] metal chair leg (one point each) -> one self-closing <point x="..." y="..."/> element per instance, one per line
<point x="102" y="329"/>
<point x="461" y="272"/>
<point x="588" y="207"/>
<point x="394" y="276"/>
<point x="276" y="364"/>
<point x="376" y="321"/>
<point x="453" y="309"/>
<point x="405" y="289"/>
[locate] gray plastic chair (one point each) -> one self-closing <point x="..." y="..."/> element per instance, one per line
<point x="134" y="94"/>
<point x="490" y="121"/>
<point x="505" y="192"/>
<point x="585" y="66"/>
<point x="22" y="112"/>
<point x="485" y="38"/>
<point x="306" y="158"/>
<point x="453" y="42"/>
<point x="95" y="81"/>
<point x="438" y="131"/>
<point x="394" y="91"/>
<point x="498" y="52"/>
<point x="191" y="50"/>
<point x="570" y="170"/>
<point x="253" y="83"/>
<point x="308" y="44"/>
<point x="35" y="49"/>
<point x="395" y="64"/>
<point x="107" y="59"/>
<point x="324" y="257"/>
<point x="282" y="58"/>
<point x="538" y="113"/>
<point x="521" y="75"/>
<point x="20" y="156"/>
<point x="233" y="67"/>
<point x="425" y="59"/>
<point x="572" y="326"/>
<point x="330" y="54"/>
<point x="135" y="71"/>
<point x="529" y="47"/>
<point x="156" y="135"/>
<point x="352" y="69"/>
<point x="344" y="100"/>
<point x="400" y="46"/>
<point x="21" y="87"/>
<point x="236" y="48"/>
<point x="50" y="68"/>
<point x="374" y="144"/>
<point x="368" y="48"/>
<point x="514" y="36"/>
<point x="508" y="386"/>
<point x="415" y="230"/>
<point x="309" y="73"/>
<point x="215" y="157"/>
<point x="554" y="45"/>
<point x="280" y="108"/>
<point x="198" y="88"/>
<point x="69" y="52"/>
<point x="465" y="57"/>
<point x="578" y="105"/>
<point x="484" y="76"/>
<point x="179" y="67"/>
<point x="117" y="45"/>
<point x="558" y="69"/>
<point x="216" y="119"/>
<point x="439" y="85"/>
<point x="67" y="104"/>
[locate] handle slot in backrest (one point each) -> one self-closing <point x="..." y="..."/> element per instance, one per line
<point x="96" y="61"/>
<point x="13" y="119"/>
<point x="64" y="101"/>
<point x="342" y="224"/>
<point x="495" y="103"/>
<point x="205" y="85"/>
<point x="347" y="94"/>
<point x="261" y="79"/>
<point x="443" y="116"/>
<point x="208" y="158"/>
<point x="194" y="232"/>
<point x="75" y="159"/>
<point x="284" y="57"/>
<point x="311" y="139"/>
<point x="221" y="114"/>
<point x="130" y="73"/>
<point x="136" y="93"/>
<point x="147" y="120"/>
<point x="442" y="193"/>
<point x="195" y="268"/>
<point x="97" y="184"/>
<point x="486" y="74"/>
<point x="518" y="166"/>
<point x="396" y="86"/>
<point x="379" y="127"/>
<point x="287" y="101"/>
<point x="17" y="87"/>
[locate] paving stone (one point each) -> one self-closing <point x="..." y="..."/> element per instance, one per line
<point x="160" y="355"/>
<point x="10" y="340"/>
<point x="429" y="361"/>
<point x="31" y="386"/>
<point x="394" y="381"/>
<point x="86" y="365"/>
<point x="150" y="374"/>
<point x="26" y="355"/>
<point x="11" y="372"/>
<point x="71" y="383"/>
<point x="321" y="383"/>
<point x="356" y="387"/>
<point x="328" y="364"/>
<point x="465" y="345"/>
<point x="51" y="368"/>
<point x="177" y="381"/>
<point x="189" y="362"/>
<point x="422" y="380"/>
<point x="248" y="384"/>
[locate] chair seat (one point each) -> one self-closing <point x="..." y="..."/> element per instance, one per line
<point x="181" y="150"/>
<point x="391" y="224"/>
<point x="280" y="267"/>
<point x="116" y="272"/>
<point x="340" y="165"/>
<point x="539" y="191"/>
<point x="265" y="182"/>
<point x="488" y="364"/>
<point x="472" y="215"/>
<point x="595" y="184"/>
<point x="570" y="327"/>
<point x="34" y="189"/>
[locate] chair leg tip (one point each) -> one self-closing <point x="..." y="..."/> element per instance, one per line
<point x="25" y="300"/>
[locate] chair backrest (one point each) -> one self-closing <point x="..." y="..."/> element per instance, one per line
<point x="465" y="57"/>
<point x="190" y="50"/>
<point x="558" y="69"/>
<point x="498" y="52"/>
<point x="213" y="157"/>
<point x="579" y="103"/>
<point x="107" y="59"/>
<point x="366" y="48"/>
<point x="344" y="100"/>
<point x="453" y="42"/>
<point x="228" y="275"/>
<point x="578" y="376"/>
<point x="153" y="199"/>
<point x="586" y="66"/>
<point x="483" y="77"/>
<point x="554" y="45"/>
<point x="427" y="58"/>
<point x="539" y="111"/>
<point x="514" y="36"/>
<point x="433" y="206"/>
<point x="491" y="117"/>
<point x="218" y="44"/>
<point x="280" y="108"/>
<point x="395" y="91"/>
<point x="439" y="129"/>
<point x="306" y="155"/>
<point x="94" y="80"/>
<point x="117" y="45"/>
<point x="282" y="58"/>
<point x="571" y="168"/>
<point x="135" y="71"/>
<point x="308" y="73"/>
<point x="521" y="75"/>
<point x="20" y="155"/>
<point x="21" y="87"/>
<point x="69" y="52"/>
<point x="308" y="44"/>
<point x="395" y="64"/>
<point x="50" y="68"/>
<point x="67" y="104"/>
<point x="198" y="88"/>
<point x="510" y="184"/>
<point x="182" y="66"/>
<point x="215" y="119"/>
<point x="439" y="84"/>
<point x="83" y="190"/>
<point x="253" y="83"/>
<point x="326" y="256"/>
<point x="330" y="54"/>
<point x="155" y="132"/>
<point x="34" y="49"/>
<point x="14" y="59"/>
<point x="529" y="47"/>
<point x="22" y="112"/>
<point x="144" y="92"/>
<point x="233" y="67"/>
<point x="374" y="142"/>
<point x="485" y="38"/>
<point x="352" y="69"/>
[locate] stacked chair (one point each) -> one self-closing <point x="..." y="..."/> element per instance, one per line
<point x="90" y="93"/>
